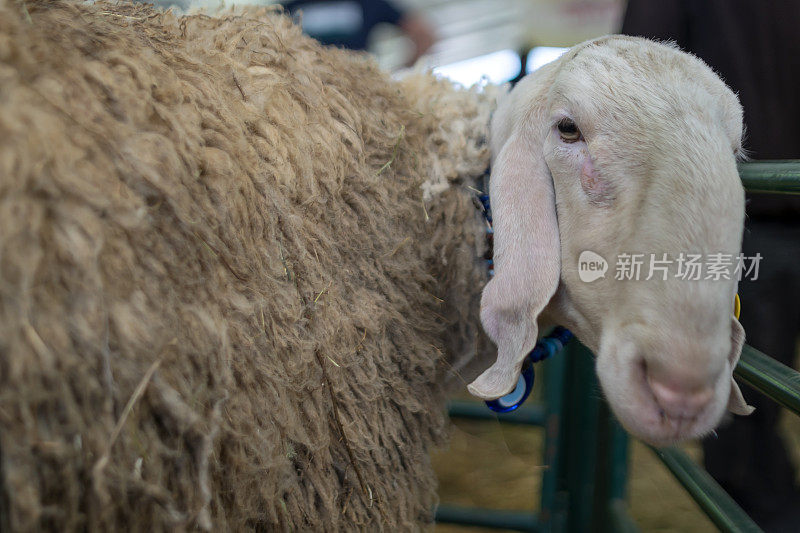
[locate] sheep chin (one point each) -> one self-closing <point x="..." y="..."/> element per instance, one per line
<point x="631" y="399"/>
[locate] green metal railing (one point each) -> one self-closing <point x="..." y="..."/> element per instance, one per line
<point x="774" y="379"/>
<point x="586" y="450"/>
<point x="781" y="177"/>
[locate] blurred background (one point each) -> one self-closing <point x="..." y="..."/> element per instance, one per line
<point x="755" y="47"/>
<point x="477" y="38"/>
<point x="469" y="39"/>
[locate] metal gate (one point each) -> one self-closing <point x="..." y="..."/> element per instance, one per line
<point x="586" y="450"/>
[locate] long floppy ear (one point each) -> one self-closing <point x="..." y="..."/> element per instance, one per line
<point x="736" y="403"/>
<point x="527" y="255"/>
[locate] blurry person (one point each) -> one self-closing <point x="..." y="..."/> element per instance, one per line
<point x="755" y="48"/>
<point x="348" y="23"/>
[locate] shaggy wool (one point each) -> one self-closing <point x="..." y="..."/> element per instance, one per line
<point x="235" y="268"/>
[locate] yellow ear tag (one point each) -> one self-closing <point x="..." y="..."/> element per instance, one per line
<point x="737" y="307"/>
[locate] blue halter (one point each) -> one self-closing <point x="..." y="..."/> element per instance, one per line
<point x="545" y="348"/>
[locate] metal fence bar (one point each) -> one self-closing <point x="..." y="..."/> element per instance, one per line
<point x="619" y="443"/>
<point x="578" y="452"/>
<point x="611" y="475"/>
<point x="713" y="500"/>
<point x="770" y="377"/>
<point x="771" y="176"/>
<point x="553" y="505"/>
<point x="533" y="415"/>
<point x="473" y="516"/>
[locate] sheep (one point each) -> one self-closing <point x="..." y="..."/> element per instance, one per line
<point x="235" y="266"/>
<point x="234" y="269"/>
<point x="623" y="145"/>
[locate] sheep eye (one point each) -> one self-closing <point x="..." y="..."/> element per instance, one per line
<point x="568" y="130"/>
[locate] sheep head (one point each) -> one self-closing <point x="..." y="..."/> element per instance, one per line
<point x="626" y="148"/>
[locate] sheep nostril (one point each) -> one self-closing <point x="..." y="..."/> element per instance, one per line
<point x="679" y="402"/>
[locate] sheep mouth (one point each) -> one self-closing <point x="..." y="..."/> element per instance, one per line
<point x="659" y="428"/>
<point x="644" y="418"/>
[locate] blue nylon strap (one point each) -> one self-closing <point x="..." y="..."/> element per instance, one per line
<point x="545" y="348"/>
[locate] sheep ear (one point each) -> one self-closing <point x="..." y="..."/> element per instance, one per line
<point x="736" y="402"/>
<point x="527" y="258"/>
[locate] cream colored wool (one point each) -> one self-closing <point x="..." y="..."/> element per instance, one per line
<point x="224" y="303"/>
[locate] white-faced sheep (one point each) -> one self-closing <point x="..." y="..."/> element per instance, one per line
<point x="622" y="146"/>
